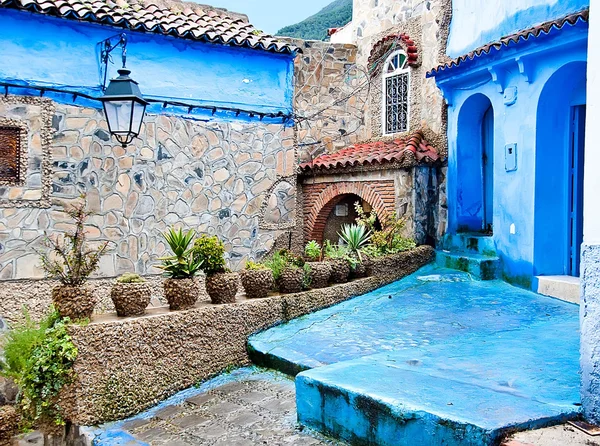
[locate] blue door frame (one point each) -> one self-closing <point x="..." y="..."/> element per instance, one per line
<point x="487" y="140"/>
<point x="575" y="185"/>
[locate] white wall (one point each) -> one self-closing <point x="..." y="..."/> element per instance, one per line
<point x="591" y="205"/>
<point x="477" y="22"/>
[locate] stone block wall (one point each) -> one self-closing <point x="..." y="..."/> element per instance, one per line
<point x="218" y="178"/>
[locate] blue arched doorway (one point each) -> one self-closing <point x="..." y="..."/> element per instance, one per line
<point x="475" y="166"/>
<point x="560" y="135"/>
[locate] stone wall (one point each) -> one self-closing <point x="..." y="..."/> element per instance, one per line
<point x="125" y="366"/>
<point x="219" y="178"/>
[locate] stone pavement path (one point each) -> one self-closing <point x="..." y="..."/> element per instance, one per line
<point x="256" y="408"/>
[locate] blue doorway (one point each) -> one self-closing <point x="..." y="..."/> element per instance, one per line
<point x="487" y="139"/>
<point x="575" y="175"/>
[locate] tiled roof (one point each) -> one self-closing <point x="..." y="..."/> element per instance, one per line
<point x="169" y="17"/>
<point x="405" y="152"/>
<point x="546" y="28"/>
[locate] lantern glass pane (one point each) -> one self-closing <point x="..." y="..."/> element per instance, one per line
<point x="118" y="114"/>
<point x="138" y="117"/>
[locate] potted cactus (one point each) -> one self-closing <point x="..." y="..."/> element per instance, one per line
<point x="288" y="271"/>
<point x="221" y="283"/>
<point x="71" y="262"/>
<point x="131" y="295"/>
<point x="181" y="287"/>
<point x="257" y="280"/>
<point x="320" y="272"/>
<point x="340" y="260"/>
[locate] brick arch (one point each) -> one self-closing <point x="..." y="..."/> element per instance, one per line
<point x="399" y="41"/>
<point x="320" y="199"/>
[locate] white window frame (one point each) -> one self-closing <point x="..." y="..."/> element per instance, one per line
<point x="404" y="69"/>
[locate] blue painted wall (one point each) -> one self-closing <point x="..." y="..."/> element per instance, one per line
<point x="477" y="22"/>
<point x="57" y="52"/>
<point x="532" y="198"/>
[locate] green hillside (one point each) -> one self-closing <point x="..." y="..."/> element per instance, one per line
<point x="334" y="15"/>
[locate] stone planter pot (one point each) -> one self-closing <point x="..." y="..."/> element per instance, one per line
<point x="291" y="280"/>
<point x="257" y="283"/>
<point x="340" y="271"/>
<point x="181" y="293"/>
<point x="222" y="287"/>
<point x="9" y="423"/>
<point x="320" y="272"/>
<point x="131" y="299"/>
<point x="363" y="269"/>
<point x="75" y="302"/>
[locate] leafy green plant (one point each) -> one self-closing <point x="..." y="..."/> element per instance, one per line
<point x="307" y="278"/>
<point x="130" y="278"/>
<point x="312" y="250"/>
<point x="183" y="264"/>
<point x="69" y="259"/>
<point x="339" y="252"/>
<point x="254" y="266"/>
<point x="388" y="240"/>
<point x="39" y="358"/>
<point x="211" y="251"/>
<point x="356" y="237"/>
<point x="277" y="264"/>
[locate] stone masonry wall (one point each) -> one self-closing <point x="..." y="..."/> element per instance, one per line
<point x="125" y="366"/>
<point x="214" y="177"/>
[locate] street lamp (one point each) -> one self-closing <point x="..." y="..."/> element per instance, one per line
<point x="124" y="107"/>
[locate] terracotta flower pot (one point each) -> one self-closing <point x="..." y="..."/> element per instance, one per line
<point x="131" y="299"/>
<point x="291" y="280"/>
<point x="75" y="302"/>
<point x="181" y="293"/>
<point x="222" y="287"/>
<point x="320" y="272"/>
<point x="340" y="271"/>
<point x="257" y="282"/>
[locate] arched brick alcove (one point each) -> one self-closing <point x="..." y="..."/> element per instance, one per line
<point x="321" y="198"/>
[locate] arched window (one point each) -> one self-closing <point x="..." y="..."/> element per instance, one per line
<point x="396" y="85"/>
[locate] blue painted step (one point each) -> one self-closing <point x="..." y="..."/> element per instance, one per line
<point x="469" y="243"/>
<point x="480" y="266"/>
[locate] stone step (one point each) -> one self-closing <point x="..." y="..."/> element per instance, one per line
<point x="482" y="267"/>
<point x="565" y="288"/>
<point x="469" y="243"/>
<point x="385" y="400"/>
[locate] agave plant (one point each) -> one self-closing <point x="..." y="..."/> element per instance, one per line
<point x="312" y="250"/>
<point x="356" y="237"/>
<point x="183" y="264"/>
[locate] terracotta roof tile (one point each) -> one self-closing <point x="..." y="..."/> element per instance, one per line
<point x="516" y="38"/>
<point x="169" y="17"/>
<point x="406" y="152"/>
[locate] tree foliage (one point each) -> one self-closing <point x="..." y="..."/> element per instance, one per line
<point x="334" y="15"/>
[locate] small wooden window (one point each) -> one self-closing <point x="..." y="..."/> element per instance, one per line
<point x="10" y="153"/>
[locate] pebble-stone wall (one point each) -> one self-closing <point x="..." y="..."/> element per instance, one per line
<point x="126" y="366"/>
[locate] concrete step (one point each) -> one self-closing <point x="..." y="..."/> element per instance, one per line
<point x="469" y="243"/>
<point x="482" y="267"/>
<point x="565" y="288"/>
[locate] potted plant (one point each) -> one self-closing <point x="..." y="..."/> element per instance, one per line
<point x="131" y="295"/>
<point x="288" y="271"/>
<point x="356" y="237"/>
<point x="341" y="262"/>
<point x="181" y="288"/>
<point x="221" y="283"/>
<point x="71" y="262"/>
<point x="257" y="280"/>
<point x="320" y="272"/>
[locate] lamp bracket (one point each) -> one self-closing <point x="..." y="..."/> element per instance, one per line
<point x="107" y="46"/>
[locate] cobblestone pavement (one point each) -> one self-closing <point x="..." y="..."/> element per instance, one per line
<point x="254" y="407"/>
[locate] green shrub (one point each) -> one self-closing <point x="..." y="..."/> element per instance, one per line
<point x="69" y="259"/>
<point x="312" y="250"/>
<point x="356" y="237"/>
<point x="211" y="251"/>
<point x="339" y="252"/>
<point x="307" y="279"/>
<point x="253" y="266"/>
<point x="130" y="278"/>
<point x="388" y="240"/>
<point x="277" y="264"/>
<point x="182" y="264"/>
<point x="39" y="358"/>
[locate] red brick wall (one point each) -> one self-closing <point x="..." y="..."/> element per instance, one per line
<point x="321" y="198"/>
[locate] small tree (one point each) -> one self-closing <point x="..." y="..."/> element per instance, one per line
<point x="73" y="262"/>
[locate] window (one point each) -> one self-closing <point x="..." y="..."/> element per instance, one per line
<point x="10" y="153"/>
<point x="396" y="84"/>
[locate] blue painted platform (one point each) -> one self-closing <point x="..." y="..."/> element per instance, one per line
<point x="433" y="359"/>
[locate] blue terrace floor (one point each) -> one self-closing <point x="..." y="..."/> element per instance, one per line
<point x="435" y="358"/>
